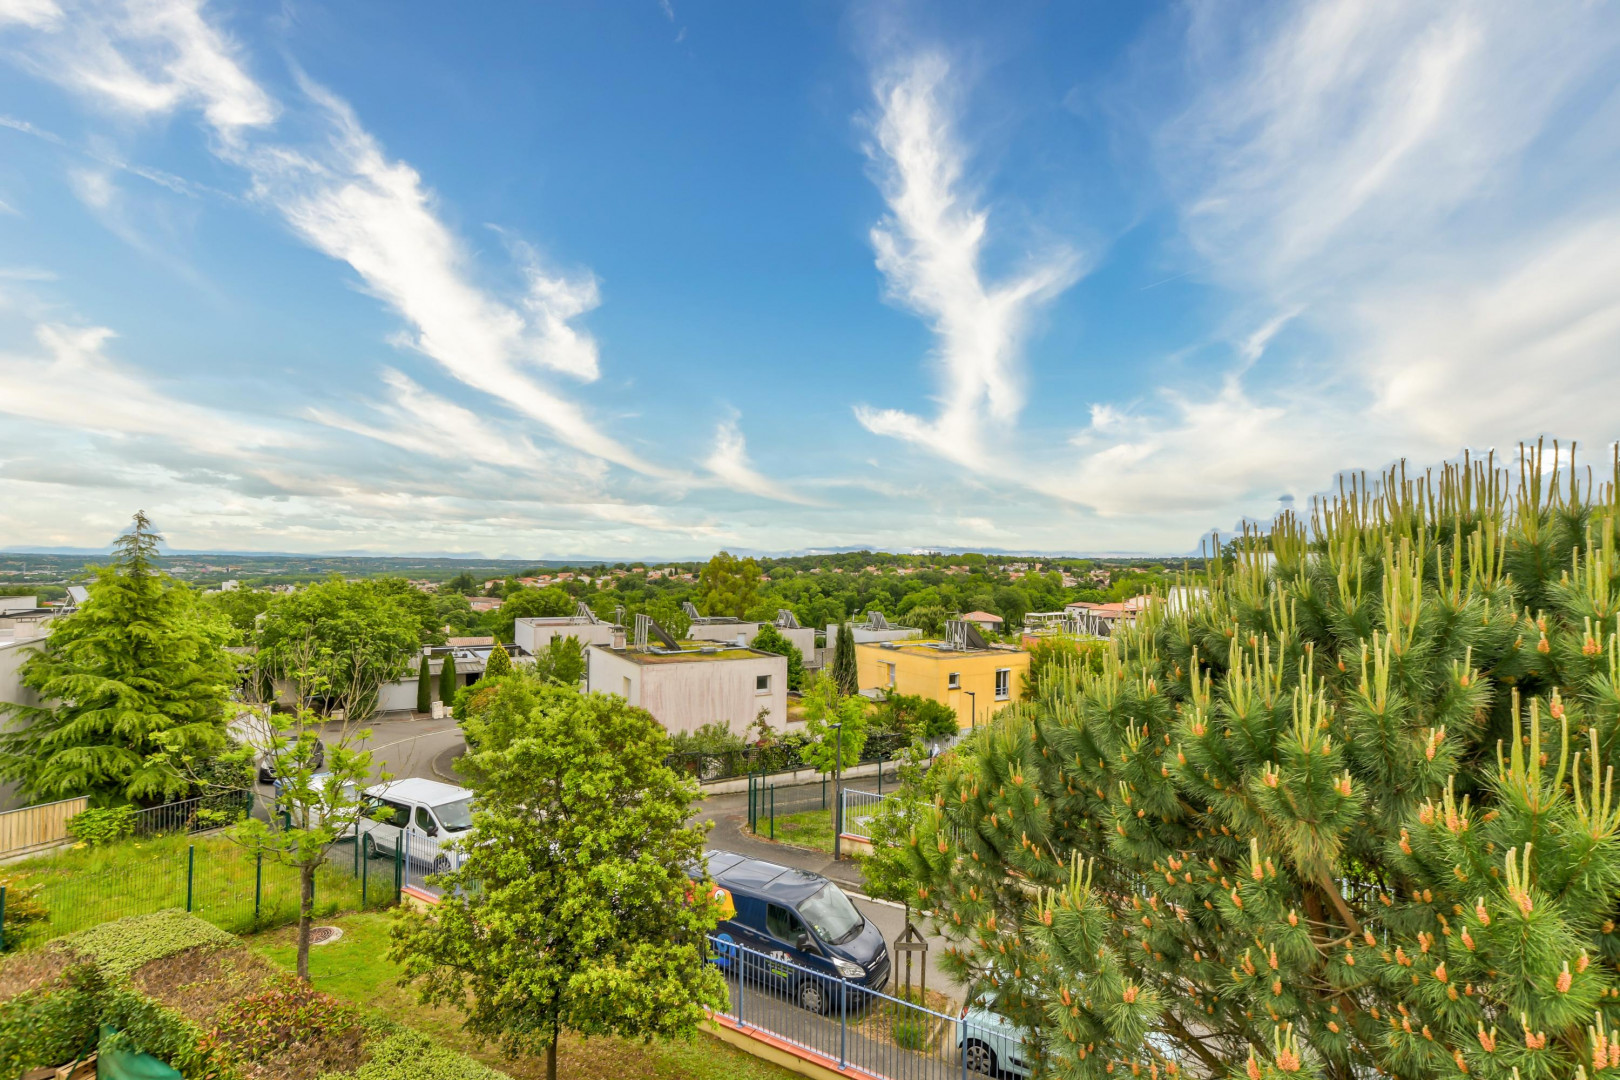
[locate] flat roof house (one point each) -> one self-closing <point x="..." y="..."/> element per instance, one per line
<point x="974" y="679"/>
<point x="688" y="684"/>
<point x="536" y="634"/>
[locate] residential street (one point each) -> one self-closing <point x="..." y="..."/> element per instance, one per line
<point x="729" y="813"/>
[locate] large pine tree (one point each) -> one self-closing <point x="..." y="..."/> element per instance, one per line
<point x="134" y="689"/>
<point x="1348" y="810"/>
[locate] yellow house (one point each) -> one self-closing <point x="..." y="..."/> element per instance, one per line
<point x="976" y="683"/>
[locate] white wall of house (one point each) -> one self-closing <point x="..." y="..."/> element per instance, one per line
<point x="683" y="695"/>
<point x="534" y="635"/>
<point x="13" y="651"/>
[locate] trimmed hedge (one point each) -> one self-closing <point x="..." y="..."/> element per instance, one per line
<point x="406" y="1055"/>
<point x="120" y="947"/>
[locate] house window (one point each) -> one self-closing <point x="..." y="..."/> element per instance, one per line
<point x="1003" y="683"/>
<point x="762" y="684"/>
<point x="955" y="682"/>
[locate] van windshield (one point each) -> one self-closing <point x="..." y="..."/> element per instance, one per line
<point x="455" y="816"/>
<point x="831" y="915"/>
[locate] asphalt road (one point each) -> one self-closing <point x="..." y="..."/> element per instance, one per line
<point x="402" y="748"/>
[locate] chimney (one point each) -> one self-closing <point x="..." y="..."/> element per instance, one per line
<point x="618" y="638"/>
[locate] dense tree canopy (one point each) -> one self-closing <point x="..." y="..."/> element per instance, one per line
<point x="574" y="910"/>
<point x="1350" y="810"/>
<point x="344" y="639"/>
<point x="728" y="586"/>
<point x="134" y="689"/>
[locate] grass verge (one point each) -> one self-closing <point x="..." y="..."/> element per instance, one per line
<point x="356" y="968"/>
<point x="216" y="879"/>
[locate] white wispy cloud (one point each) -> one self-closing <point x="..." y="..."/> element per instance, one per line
<point x="345" y="197"/>
<point x="1421" y="188"/>
<point x="72" y="382"/>
<point x="930" y="248"/>
<point x="143" y="58"/>
<point x="729" y="463"/>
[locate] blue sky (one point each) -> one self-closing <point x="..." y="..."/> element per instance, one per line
<point x="651" y="279"/>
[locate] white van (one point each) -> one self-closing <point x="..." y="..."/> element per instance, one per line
<point x="428" y="816"/>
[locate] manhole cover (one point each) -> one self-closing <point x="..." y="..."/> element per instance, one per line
<point x="324" y="935"/>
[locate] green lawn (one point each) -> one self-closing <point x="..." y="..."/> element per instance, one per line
<point x="82" y="886"/>
<point x="808" y="828"/>
<point x="356" y="967"/>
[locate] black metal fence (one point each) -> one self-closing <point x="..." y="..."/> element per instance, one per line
<point x="785" y="756"/>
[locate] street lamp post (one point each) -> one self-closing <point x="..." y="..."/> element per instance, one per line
<point x="838" y="791"/>
<point x="973" y="705"/>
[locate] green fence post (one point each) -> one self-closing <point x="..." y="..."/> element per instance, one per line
<point x="191" y="865"/>
<point x="365" y="870"/>
<point x="773" y="811"/>
<point x="2" y="918"/>
<point x="258" y="885"/>
<point x="399" y="867"/>
<point x="880" y="774"/>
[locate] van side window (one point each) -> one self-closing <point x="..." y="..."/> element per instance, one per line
<point x="782" y="924"/>
<point x="401" y="818"/>
<point x="425" y="822"/>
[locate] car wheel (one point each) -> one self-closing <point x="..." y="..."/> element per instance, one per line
<point x="441" y="864"/>
<point x="980" y="1058"/>
<point x="811" y="996"/>
<point x="368" y="847"/>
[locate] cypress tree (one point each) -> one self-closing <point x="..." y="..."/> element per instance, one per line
<point x="134" y="688"/>
<point x="424" y="686"/>
<point x="447" y="680"/>
<point x="1348" y="810"/>
<point x="845" y="672"/>
<point x="499" y="664"/>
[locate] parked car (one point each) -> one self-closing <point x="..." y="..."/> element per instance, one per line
<point x="267" y="762"/>
<point x="425" y="816"/>
<point x="989" y="1043"/>
<point x="802" y="918"/>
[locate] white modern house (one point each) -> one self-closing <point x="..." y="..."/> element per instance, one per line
<point x="535" y="634"/>
<point x="742" y="632"/>
<point x="688" y="684"/>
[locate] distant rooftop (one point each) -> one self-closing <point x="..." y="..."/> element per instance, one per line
<point x="690" y="652"/>
<point x="932" y="647"/>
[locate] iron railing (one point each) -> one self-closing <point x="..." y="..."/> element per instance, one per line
<point x="769" y="760"/>
<point x="855" y="1026"/>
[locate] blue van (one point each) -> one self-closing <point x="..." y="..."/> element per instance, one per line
<point x="802" y="918"/>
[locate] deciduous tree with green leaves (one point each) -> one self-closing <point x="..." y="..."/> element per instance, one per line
<point x="824" y="709"/>
<point x="770" y="639"/>
<point x="341" y="640"/>
<point x="134" y="689"/>
<point x="573" y="910"/>
<point x="1347" y="811"/>
<point x="728" y="585"/>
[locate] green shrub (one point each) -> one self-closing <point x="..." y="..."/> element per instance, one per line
<point x="146" y="1026"/>
<point x="120" y="947"/>
<point x="23" y="907"/>
<point x="405" y="1055"/>
<point x="287" y="1014"/>
<point x="50" y="1027"/>
<point x="102" y="824"/>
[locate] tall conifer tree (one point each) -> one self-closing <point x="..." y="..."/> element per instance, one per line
<point x="447" y="680"/>
<point x="1347" y="811"/>
<point x="424" y="686"/>
<point x="845" y="670"/>
<point x="133" y="688"/>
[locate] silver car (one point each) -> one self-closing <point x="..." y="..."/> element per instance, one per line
<point x="990" y="1043"/>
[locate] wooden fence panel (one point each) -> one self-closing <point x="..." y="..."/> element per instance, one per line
<point x="37" y="826"/>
